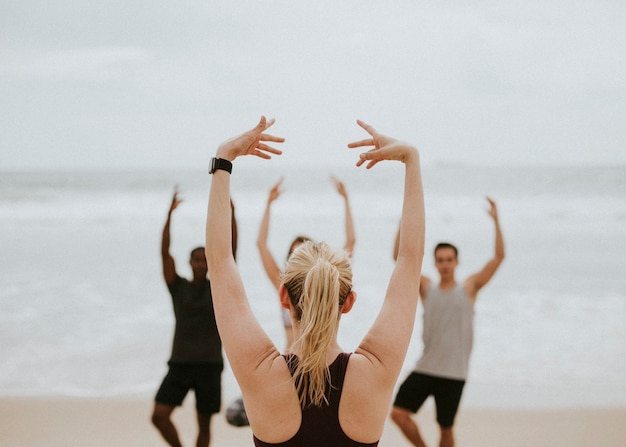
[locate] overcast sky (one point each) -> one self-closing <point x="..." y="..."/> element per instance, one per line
<point x="155" y="84"/>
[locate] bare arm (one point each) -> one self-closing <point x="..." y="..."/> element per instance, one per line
<point x="269" y="263"/>
<point x="424" y="280"/>
<point x="169" y="266"/>
<point x="246" y="344"/>
<point x="476" y="281"/>
<point x="350" y="236"/>
<point x="387" y="341"/>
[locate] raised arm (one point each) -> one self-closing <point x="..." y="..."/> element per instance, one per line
<point x="169" y="266"/>
<point x="387" y="341"/>
<point x="424" y="280"/>
<point x="245" y="342"/>
<point x="269" y="263"/>
<point x="350" y="237"/>
<point x="476" y="281"/>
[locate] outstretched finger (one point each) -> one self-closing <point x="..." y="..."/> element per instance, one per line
<point x="368" y="128"/>
<point x="262" y="124"/>
<point x="266" y="148"/>
<point x="370" y="163"/>
<point x="365" y="157"/>
<point x="361" y="143"/>
<point x="260" y="154"/>
<point x="268" y="137"/>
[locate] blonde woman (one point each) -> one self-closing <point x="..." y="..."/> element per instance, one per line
<point x="272" y="270"/>
<point x="316" y="394"/>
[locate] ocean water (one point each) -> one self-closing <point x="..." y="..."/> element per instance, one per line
<point x="84" y="310"/>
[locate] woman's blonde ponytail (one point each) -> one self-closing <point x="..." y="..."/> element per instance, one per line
<point x="318" y="279"/>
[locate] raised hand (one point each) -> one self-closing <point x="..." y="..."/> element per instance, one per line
<point x="251" y="142"/>
<point x="175" y="200"/>
<point x="276" y="191"/>
<point x="341" y="188"/>
<point x="385" y="147"/>
<point x="493" y="209"/>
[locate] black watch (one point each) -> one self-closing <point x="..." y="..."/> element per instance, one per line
<point x="220" y="163"/>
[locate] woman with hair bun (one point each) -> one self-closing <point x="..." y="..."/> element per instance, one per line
<point x="316" y="394"/>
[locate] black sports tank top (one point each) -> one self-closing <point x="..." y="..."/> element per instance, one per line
<point x="320" y="425"/>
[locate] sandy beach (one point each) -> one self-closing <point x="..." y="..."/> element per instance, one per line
<point x="95" y="422"/>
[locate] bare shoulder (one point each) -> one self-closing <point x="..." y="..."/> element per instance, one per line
<point x="365" y="369"/>
<point x="364" y="372"/>
<point x="362" y="414"/>
<point x="272" y="403"/>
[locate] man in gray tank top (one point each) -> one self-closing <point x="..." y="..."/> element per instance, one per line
<point x="448" y="331"/>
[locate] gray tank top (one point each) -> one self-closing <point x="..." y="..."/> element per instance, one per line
<point x="448" y="333"/>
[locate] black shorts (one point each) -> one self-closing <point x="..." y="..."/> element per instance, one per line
<point x="204" y="379"/>
<point x="447" y="393"/>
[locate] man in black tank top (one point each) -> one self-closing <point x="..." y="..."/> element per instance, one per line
<point x="196" y="360"/>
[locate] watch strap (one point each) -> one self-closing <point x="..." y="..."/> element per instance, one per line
<point x="220" y="163"/>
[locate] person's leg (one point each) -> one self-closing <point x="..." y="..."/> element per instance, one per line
<point x="405" y="422"/>
<point x="411" y="395"/>
<point x="208" y="390"/>
<point x="161" y="418"/>
<point x="204" y="430"/>
<point x="171" y="393"/>
<point x="447" y="398"/>
<point x="447" y="437"/>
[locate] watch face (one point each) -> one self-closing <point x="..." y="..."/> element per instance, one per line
<point x="213" y="165"/>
